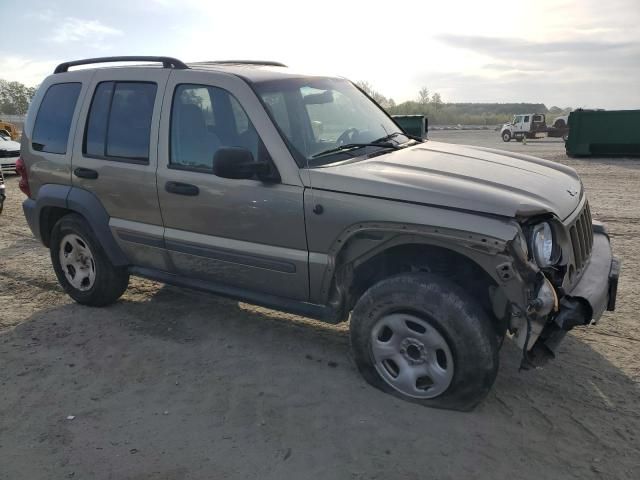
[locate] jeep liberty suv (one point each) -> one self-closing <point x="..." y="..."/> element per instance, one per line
<point x="300" y="193"/>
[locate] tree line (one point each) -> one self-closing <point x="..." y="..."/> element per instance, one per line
<point x="432" y="106"/>
<point x="15" y="97"/>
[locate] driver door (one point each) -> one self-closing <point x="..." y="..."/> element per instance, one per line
<point x="247" y="234"/>
<point x="517" y="124"/>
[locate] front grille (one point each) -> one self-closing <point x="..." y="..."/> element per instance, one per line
<point x="9" y="154"/>
<point x="581" y="233"/>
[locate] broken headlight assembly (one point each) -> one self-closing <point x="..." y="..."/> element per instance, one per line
<point x="545" y="249"/>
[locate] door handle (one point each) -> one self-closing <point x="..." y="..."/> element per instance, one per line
<point x="85" y="173"/>
<point x="182" y="189"/>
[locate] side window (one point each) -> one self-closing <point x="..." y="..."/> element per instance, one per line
<point x="53" y="121"/>
<point x="526" y="118"/>
<point x="204" y="119"/>
<point x="119" y="122"/>
<point x="242" y="121"/>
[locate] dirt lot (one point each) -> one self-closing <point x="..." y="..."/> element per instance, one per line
<point x="172" y="384"/>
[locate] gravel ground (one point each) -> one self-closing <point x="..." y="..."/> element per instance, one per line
<point x="173" y="384"/>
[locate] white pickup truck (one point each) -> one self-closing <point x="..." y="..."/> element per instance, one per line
<point x="533" y="125"/>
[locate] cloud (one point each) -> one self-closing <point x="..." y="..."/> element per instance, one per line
<point x="562" y="89"/>
<point x="24" y="70"/>
<point x="577" y="53"/>
<point x="43" y="15"/>
<point x="512" y="68"/>
<point x="77" y="29"/>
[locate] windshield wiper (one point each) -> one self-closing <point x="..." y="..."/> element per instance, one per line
<point x="395" y="134"/>
<point x="351" y="146"/>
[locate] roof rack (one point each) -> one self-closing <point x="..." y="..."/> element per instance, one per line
<point x="167" y="62"/>
<point x="266" y="63"/>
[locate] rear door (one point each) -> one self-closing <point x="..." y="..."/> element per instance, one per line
<point x="244" y="233"/>
<point x="115" y="157"/>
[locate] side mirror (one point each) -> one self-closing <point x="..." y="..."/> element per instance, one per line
<point x="237" y="163"/>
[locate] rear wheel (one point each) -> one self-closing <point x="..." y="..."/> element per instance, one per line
<point x="82" y="266"/>
<point x="422" y="338"/>
<point x="506" y="136"/>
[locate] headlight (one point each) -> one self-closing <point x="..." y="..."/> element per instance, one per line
<point x="545" y="251"/>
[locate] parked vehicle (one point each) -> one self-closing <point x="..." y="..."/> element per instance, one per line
<point x="532" y="126"/>
<point x="299" y="193"/>
<point x="9" y="153"/>
<point x="560" y="127"/>
<point x="10" y="129"/>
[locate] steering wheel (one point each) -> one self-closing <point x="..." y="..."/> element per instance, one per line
<point x="347" y="136"/>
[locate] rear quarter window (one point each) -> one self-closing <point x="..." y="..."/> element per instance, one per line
<point x="53" y="120"/>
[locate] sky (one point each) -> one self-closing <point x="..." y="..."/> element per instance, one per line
<point x="577" y="53"/>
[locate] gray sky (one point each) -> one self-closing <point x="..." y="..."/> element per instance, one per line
<point x="562" y="52"/>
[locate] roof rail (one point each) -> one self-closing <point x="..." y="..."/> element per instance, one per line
<point x="167" y="62"/>
<point x="266" y="63"/>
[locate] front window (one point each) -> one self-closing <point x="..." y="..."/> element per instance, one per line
<point x="205" y="119"/>
<point x="318" y="114"/>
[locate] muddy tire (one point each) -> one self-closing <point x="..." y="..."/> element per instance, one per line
<point x="506" y="136"/>
<point x="82" y="266"/>
<point x="423" y="339"/>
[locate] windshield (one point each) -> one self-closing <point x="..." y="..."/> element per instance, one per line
<point x="316" y="115"/>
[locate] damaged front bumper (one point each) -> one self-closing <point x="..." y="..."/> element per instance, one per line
<point x="594" y="294"/>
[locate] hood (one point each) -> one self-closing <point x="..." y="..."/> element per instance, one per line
<point x="458" y="176"/>
<point x="9" y="145"/>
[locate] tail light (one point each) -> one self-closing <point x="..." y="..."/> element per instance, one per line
<point x="23" y="184"/>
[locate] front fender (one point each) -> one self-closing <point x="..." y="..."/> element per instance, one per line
<point x="362" y="241"/>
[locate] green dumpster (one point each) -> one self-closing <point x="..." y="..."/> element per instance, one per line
<point x="603" y="133"/>
<point x="415" y="125"/>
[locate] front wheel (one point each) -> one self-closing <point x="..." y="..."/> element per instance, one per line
<point x="506" y="136"/>
<point x="82" y="266"/>
<point x="422" y="338"/>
